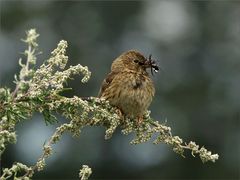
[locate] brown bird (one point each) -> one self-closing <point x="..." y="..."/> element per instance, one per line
<point x="128" y="86"/>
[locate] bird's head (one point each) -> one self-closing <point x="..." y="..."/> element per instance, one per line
<point x="134" y="60"/>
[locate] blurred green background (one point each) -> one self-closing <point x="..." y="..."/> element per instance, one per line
<point x="197" y="45"/>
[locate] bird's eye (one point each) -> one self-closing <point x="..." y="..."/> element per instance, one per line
<point x="138" y="62"/>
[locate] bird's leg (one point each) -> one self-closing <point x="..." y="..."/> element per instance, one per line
<point x="120" y="113"/>
<point x="139" y="120"/>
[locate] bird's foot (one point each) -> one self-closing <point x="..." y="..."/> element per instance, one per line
<point x="139" y="120"/>
<point x="120" y="113"/>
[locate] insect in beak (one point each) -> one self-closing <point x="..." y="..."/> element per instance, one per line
<point x="152" y="64"/>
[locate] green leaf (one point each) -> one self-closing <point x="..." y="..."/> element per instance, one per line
<point x="49" y="118"/>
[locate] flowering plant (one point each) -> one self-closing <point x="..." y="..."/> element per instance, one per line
<point x="39" y="91"/>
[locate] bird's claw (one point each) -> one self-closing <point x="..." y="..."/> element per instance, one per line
<point x="120" y="113"/>
<point x="139" y="120"/>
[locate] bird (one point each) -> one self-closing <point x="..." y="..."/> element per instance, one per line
<point x="128" y="86"/>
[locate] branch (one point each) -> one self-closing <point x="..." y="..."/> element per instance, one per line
<point x="39" y="91"/>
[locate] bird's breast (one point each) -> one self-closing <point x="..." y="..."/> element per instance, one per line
<point x="134" y="95"/>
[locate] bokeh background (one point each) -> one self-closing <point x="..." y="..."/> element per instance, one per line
<point x="197" y="44"/>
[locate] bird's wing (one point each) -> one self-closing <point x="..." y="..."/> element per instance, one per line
<point x="107" y="81"/>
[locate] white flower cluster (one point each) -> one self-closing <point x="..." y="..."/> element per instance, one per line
<point x="6" y="137"/>
<point x="51" y="77"/>
<point x="31" y="38"/>
<point x="12" y="172"/>
<point x="25" y="76"/>
<point x="85" y="172"/>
